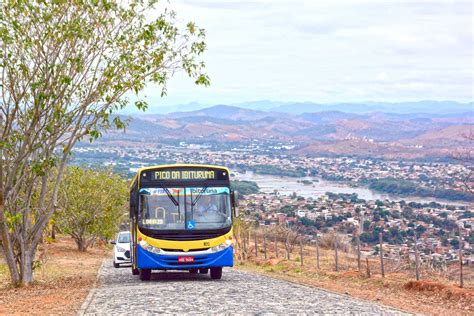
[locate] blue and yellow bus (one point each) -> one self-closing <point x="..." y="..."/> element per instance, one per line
<point x="181" y="219"/>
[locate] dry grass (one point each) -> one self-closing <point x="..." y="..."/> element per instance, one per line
<point x="435" y="294"/>
<point x="61" y="283"/>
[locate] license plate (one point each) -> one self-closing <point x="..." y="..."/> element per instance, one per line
<point x="185" y="259"/>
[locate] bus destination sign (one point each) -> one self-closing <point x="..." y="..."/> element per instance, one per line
<point x="186" y="174"/>
<point x="163" y="175"/>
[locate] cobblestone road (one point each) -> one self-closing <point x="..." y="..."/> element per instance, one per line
<point x="120" y="292"/>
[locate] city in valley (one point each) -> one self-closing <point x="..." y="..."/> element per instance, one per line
<point x="350" y="195"/>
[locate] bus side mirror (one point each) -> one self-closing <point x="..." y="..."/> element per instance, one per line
<point x="235" y="203"/>
<point x="235" y="199"/>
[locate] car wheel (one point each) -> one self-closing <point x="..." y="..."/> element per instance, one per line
<point x="135" y="271"/>
<point x="145" y="274"/>
<point x="203" y="271"/>
<point x="116" y="265"/>
<point x="193" y="271"/>
<point x="216" y="273"/>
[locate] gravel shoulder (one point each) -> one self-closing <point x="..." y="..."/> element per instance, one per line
<point x="119" y="292"/>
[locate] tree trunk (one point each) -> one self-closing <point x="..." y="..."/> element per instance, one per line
<point x="27" y="267"/>
<point x="81" y="244"/>
<point x="7" y="245"/>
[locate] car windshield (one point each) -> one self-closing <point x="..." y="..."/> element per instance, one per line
<point x="191" y="208"/>
<point x="123" y="237"/>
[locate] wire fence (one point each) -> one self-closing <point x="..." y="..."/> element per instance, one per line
<point x="340" y="253"/>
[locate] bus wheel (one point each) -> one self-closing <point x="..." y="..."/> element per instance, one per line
<point x="193" y="271"/>
<point x="135" y="271"/>
<point x="216" y="273"/>
<point x="203" y="271"/>
<point x="145" y="274"/>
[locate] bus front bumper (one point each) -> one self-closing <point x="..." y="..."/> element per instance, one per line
<point x="149" y="260"/>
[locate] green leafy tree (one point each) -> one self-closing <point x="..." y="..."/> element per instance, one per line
<point x="92" y="204"/>
<point x="66" y="67"/>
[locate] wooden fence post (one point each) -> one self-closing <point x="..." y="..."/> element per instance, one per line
<point x="301" y="250"/>
<point x="276" y="246"/>
<point x="265" y="243"/>
<point x="381" y="255"/>
<point x="317" y="251"/>
<point x="358" y="254"/>
<point x="256" y="244"/>
<point x="461" y="276"/>
<point x="417" y="264"/>
<point x="335" y="252"/>
<point x="244" y="245"/>
<point x="248" y="240"/>
<point x="367" y="266"/>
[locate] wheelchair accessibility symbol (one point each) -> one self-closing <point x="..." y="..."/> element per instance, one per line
<point x="190" y="225"/>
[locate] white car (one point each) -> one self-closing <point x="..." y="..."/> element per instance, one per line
<point x="122" y="249"/>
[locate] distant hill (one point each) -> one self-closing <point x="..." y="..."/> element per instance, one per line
<point x="336" y="132"/>
<point x="225" y="112"/>
<point x="425" y="106"/>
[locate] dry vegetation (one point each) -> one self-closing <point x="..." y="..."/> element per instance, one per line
<point x="436" y="292"/>
<point x="63" y="280"/>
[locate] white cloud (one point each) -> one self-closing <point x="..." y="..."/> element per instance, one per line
<point x="330" y="51"/>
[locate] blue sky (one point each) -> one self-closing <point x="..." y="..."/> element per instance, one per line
<point x="328" y="51"/>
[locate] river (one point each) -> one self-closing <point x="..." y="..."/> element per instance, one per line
<point x="288" y="185"/>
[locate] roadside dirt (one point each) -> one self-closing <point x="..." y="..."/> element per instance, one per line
<point x="61" y="284"/>
<point x="396" y="289"/>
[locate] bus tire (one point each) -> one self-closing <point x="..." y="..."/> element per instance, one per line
<point x="216" y="273"/>
<point x="135" y="271"/>
<point x="145" y="274"/>
<point x="203" y="270"/>
<point x="193" y="271"/>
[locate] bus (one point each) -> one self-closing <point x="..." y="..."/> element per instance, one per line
<point x="181" y="219"/>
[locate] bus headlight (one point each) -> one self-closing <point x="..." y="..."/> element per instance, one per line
<point x="222" y="246"/>
<point x="149" y="247"/>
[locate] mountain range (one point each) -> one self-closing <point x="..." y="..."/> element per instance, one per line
<point x="426" y="106"/>
<point x="374" y="134"/>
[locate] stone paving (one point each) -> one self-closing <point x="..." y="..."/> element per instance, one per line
<point x="238" y="292"/>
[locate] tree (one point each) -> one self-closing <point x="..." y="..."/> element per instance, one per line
<point x="66" y="67"/>
<point x="92" y="204"/>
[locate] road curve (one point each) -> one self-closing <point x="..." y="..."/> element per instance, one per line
<point x="120" y="292"/>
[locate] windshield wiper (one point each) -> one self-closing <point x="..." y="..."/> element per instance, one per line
<point x="197" y="197"/>
<point x="171" y="197"/>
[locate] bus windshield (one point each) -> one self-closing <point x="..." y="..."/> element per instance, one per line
<point x="191" y="208"/>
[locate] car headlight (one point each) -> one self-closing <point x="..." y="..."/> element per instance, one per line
<point x="120" y="249"/>
<point x="222" y="246"/>
<point x="149" y="247"/>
